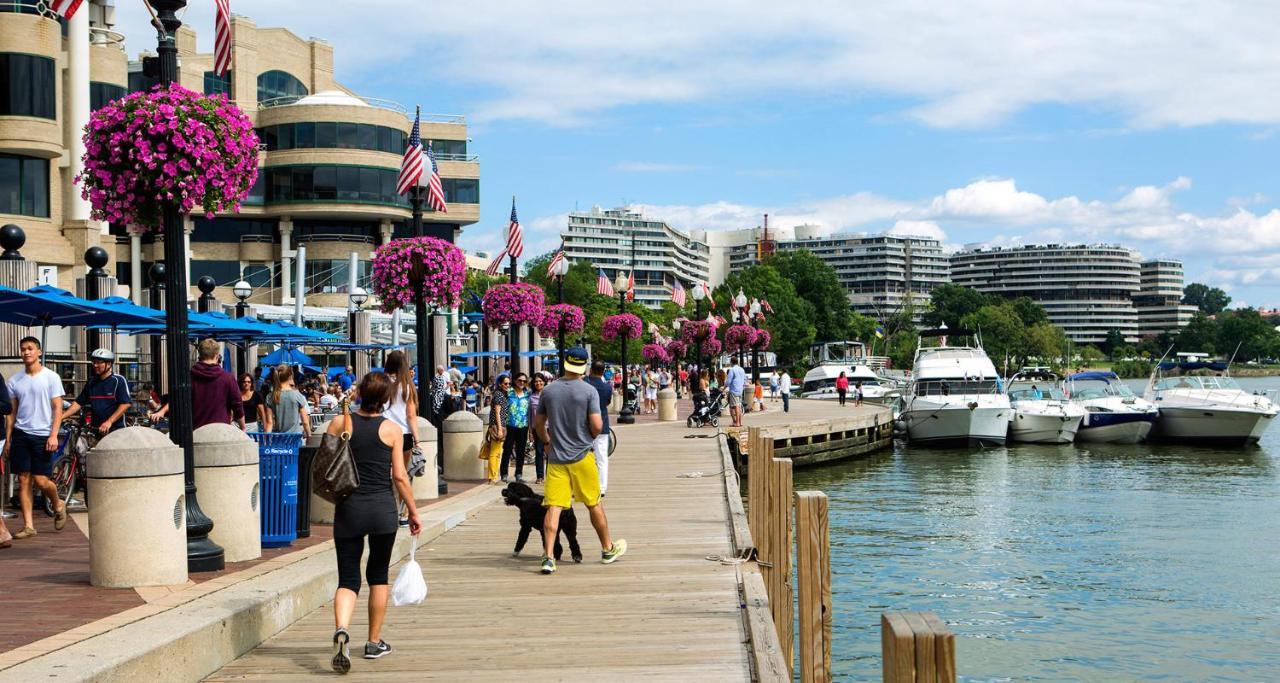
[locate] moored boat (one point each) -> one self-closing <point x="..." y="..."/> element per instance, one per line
<point x="1041" y="412"/>
<point x="954" y="396"/>
<point x="1206" y="406"/>
<point x="1113" y="414"/>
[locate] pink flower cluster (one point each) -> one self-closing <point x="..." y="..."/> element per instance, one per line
<point x="654" y="353"/>
<point x="572" y="316"/>
<point x="676" y="349"/>
<point x="711" y="347"/>
<point x="167" y="146"/>
<point x="694" y="331"/>
<point x="763" y="339"/>
<point x="516" y="303"/>
<point x="406" y="270"/>
<point x="623" y="323"/>
<point x="740" y="337"/>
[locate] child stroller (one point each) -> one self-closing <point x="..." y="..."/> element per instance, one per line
<point x="708" y="413"/>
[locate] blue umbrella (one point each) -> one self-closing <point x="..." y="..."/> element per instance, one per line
<point x="45" y="305"/>
<point x="286" y="357"/>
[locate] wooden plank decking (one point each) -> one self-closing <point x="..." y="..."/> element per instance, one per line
<point x="663" y="612"/>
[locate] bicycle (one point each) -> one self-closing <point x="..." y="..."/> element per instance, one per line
<point x="613" y="441"/>
<point x="69" y="465"/>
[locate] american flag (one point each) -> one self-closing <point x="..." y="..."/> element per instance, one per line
<point x="710" y="299"/>
<point x="603" y="286"/>
<point x="435" y="188"/>
<point x="222" y="38"/>
<point x="677" y="294"/>
<point x="496" y="266"/>
<point x="764" y="303"/>
<point x="631" y="286"/>
<point x="64" y="8"/>
<point x="556" y="259"/>
<point x="411" y="165"/>
<point x="515" y="236"/>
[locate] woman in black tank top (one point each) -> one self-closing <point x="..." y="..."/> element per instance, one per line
<point x="370" y="511"/>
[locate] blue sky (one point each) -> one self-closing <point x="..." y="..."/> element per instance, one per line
<point x="1148" y="124"/>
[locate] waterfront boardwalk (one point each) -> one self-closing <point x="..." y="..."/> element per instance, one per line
<point x="663" y="612"/>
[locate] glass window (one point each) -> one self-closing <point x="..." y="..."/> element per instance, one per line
<point x="217" y="85"/>
<point x="139" y="81"/>
<point x="326" y="134"/>
<point x="230" y="229"/>
<point x="366" y="136"/>
<point x="24" y="185"/>
<point x="267" y="136"/>
<point x="223" y="272"/>
<point x="461" y="190"/>
<point x="348" y="183"/>
<point x="346" y="136"/>
<point x="303" y="183"/>
<point x="331" y="183"/>
<point x="449" y="149"/>
<point x="258" y="192"/>
<point x="304" y="135"/>
<point x="273" y="85"/>
<point x="101" y="94"/>
<point x="258" y="275"/>
<point x="27" y="85"/>
<point x="325" y="179"/>
<point x="386" y="140"/>
<point x="370" y="185"/>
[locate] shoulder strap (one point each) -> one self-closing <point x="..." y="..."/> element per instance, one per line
<point x="346" y="419"/>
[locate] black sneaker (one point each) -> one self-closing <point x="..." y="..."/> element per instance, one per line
<point x="341" y="653"/>
<point x="376" y="650"/>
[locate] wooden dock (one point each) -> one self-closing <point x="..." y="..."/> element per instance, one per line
<point x="819" y="431"/>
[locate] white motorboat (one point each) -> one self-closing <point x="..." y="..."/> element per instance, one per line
<point x="834" y="358"/>
<point x="1206" y="407"/>
<point x="954" y="396"/>
<point x="1113" y="414"/>
<point x="1041" y="412"/>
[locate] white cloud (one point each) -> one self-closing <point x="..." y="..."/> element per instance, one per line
<point x="955" y="64"/>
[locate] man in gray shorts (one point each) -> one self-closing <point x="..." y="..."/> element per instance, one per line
<point x="568" y="422"/>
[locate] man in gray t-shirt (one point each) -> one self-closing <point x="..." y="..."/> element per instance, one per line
<point x="567" y="422"/>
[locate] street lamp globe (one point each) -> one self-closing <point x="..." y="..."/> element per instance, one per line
<point x="675" y="324"/>
<point x="561" y="268"/>
<point x="699" y="292"/>
<point x="741" y="300"/>
<point x="620" y="282"/>
<point x="473" y="328"/>
<point x="358" y="296"/>
<point x="242" y="290"/>
<point x="754" y="309"/>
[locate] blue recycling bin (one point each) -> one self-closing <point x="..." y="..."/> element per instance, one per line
<point x="278" y="477"/>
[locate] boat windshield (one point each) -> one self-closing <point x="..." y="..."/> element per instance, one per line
<point x="1037" y="394"/>
<point x="1094" y="390"/>
<point x="945" y="387"/>
<point x="1196" y="382"/>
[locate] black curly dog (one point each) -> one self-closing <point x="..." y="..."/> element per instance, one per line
<point x="519" y="495"/>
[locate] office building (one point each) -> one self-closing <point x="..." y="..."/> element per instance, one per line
<point x="1159" y="299"/>
<point x="1087" y="290"/>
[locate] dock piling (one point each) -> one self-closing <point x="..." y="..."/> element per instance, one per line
<point x="813" y="571"/>
<point x="917" y="647"/>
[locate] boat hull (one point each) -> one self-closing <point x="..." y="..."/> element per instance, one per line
<point x="1042" y="428"/>
<point x="951" y="425"/>
<point x="1211" y="424"/>
<point x="1115" y="427"/>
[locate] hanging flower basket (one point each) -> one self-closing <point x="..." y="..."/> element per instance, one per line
<point x="572" y="316"/>
<point x="518" y="303"/>
<point x="627" y="324"/>
<point x="405" y="269"/>
<point x="763" y="339"/>
<point x="676" y="349"/>
<point x="655" y="353"/>
<point x="167" y="146"/>
<point x="739" y="337"/>
<point x="711" y="347"/>
<point x="694" y="331"/>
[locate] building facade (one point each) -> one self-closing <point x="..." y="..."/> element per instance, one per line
<point x="328" y="162"/>
<point x="623" y="240"/>
<point x="1087" y="290"/>
<point x="1159" y="299"/>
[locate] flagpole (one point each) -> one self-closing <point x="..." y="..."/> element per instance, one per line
<point x="513" y="341"/>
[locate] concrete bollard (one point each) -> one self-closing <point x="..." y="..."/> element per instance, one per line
<point x="427" y="486"/>
<point x="748" y="396"/>
<point x="321" y="509"/>
<point x="227" y="479"/>
<point x="137" y="525"/>
<point x="667" y="405"/>
<point x="463" y="434"/>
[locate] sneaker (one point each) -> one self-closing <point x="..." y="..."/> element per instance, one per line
<point x="376" y="650"/>
<point x="612" y="554"/>
<point x="548" y="565"/>
<point x="504" y="478"/>
<point x="25" y="533"/>
<point x="60" y="518"/>
<point x="341" y="653"/>
<point x="404" y="521"/>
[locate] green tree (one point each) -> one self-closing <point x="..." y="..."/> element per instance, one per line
<point x="951" y="303"/>
<point x="791" y="324"/>
<point x="1090" y="355"/>
<point x="1115" y="340"/>
<point x="902" y="348"/>
<point x="816" y="282"/>
<point x="1029" y="311"/>
<point x="1046" y="342"/>
<point x="1209" y="300"/>
<point x="1003" y="334"/>
<point x="1201" y="334"/>
<point x="1247" y="329"/>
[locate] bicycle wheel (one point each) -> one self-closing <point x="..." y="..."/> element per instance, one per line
<point x="613" y="441"/>
<point x="64" y="474"/>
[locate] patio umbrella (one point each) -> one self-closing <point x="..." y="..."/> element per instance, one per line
<point x="286" y="357"/>
<point x="45" y="306"/>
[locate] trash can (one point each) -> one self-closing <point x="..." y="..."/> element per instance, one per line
<point x="667" y="405"/>
<point x="278" y="473"/>
<point x="137" y="526"/>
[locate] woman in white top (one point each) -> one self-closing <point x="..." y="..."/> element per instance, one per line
<point x="403" y="409"/>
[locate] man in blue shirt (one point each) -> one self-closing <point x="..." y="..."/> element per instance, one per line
<point x="347" y="379"/>
<point x="605" y="389"/>
<point x="105" y="395"/>
<point x="735" y="381"/>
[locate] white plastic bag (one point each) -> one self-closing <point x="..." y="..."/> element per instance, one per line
<point x="410" y="587"/>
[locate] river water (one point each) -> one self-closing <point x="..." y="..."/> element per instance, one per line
<point x="1087" y="562"/>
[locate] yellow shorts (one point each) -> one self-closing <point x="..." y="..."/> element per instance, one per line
<point x="578" y="481"/>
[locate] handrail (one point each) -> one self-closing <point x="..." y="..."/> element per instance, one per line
<point x="379" y="102"/>
<point x="332" y="237"/>
<point x="105" y="36"/>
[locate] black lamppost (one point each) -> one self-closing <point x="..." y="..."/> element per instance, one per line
<point x="243" y="290"/>
<point x="157" y="275"/>
<point x="513" y="339"/>
<point x="625" y="416"/>
<point x="96" y="258"/>
<point x="561" y="270"/>
<point x="740" y="312"/>
<point x="357" y="297"/>
<point x="202" y="553"/>
<point x="754" y="312"/>
<point x="699" y="293"/>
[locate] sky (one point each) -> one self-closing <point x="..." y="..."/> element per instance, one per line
<point x="997" y="122"/>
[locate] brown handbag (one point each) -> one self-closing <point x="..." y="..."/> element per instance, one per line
<point x="333" y="471"/>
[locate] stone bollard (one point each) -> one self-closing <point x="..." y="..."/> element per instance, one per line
<point x="463" y="434"/>
<point x="615" y="401"/>
<point x="748" y="396"/>
<point x="427" y="486"/>
<point x="667" y="405"/>
<point x="137" y="525"/>
<point x="227" y="479"/>
<point x="321" y="509"/>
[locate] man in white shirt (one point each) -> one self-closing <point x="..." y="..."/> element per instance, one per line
<point x="32" y="435"/>
<point x="784" y="388"/>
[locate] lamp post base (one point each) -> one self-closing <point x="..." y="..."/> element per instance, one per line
<point x="625" y="416"/>
<point x="204" y="555"/>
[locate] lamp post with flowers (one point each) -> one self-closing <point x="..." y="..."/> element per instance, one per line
<point x="357" y="297"/>
<point x="740" y="312"/>
<point x="699" y="295"/>
<point x="560" y="270"/>
<point x="756" y="314"/>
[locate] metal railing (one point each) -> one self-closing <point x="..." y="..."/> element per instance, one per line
<point x="332" y="237"/>
<point x="380" y="103"/>
<point x="104" y="36"/>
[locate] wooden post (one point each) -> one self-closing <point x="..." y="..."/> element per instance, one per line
<point x="755" y="485"/>
<point x="917" y="647"/>
<point x="813" y="569"/>
<point x="778" y="574"/>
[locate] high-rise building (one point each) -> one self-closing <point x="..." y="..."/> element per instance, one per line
<point x="1087" y="290"/>
<point x="1159" y="300"/>
<point x="623" y="240"/>
<point x="327" y="173"/>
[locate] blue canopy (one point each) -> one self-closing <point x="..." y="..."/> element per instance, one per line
<point x="539" y="352"/>
<point x="221" y="326"/>
<point x="45" y="305"/>
<point x="1104" y="375"/>
<point x="1194" y="365"/>
<point x="289" y="333"/>
<point x="481" y="354"/>
<point x="467" y="369"/>
<point x="286" y="357"/>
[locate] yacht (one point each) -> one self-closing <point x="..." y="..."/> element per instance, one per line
<point x="1113" y="414"/>
<point x="1041" y="412"/>
<point x="1205" y="407"/>
<point x="954" y="395"/>
<point x="849" y="357"/>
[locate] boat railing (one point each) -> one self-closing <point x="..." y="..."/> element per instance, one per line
<point x="960" y="387"/>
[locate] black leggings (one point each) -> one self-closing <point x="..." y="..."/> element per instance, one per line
<point x="842" y="393"/>
<point x="515" y="444"/>
<point x="349" y="552"/>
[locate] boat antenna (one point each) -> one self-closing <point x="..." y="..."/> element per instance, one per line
<point x="1156" y="368"/>
<point x="1233" y="356"/>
